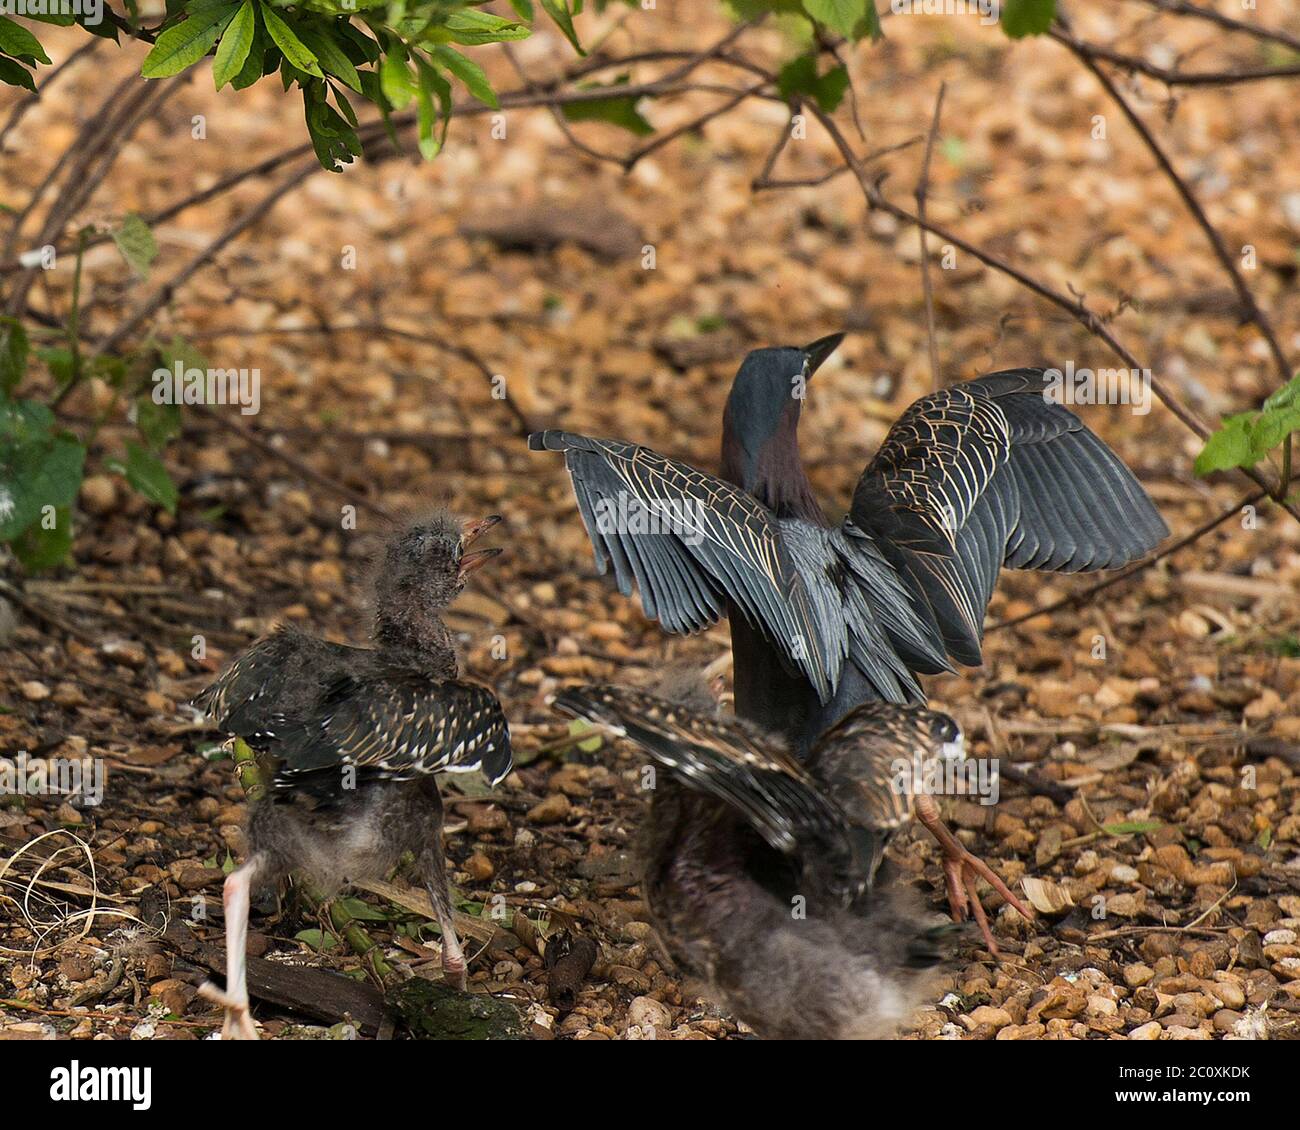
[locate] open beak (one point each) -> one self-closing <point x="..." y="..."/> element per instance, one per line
<point x="471" y="531"/>
<point x="820" y="349"/>
<point x="477" y="560"/>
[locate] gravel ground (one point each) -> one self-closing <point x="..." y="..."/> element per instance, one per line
<point x="1161" y="719"/>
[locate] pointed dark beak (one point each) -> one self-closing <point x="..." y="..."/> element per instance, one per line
<point x="477" y="560"/>
<point x="471" y="531"/>
<point x="820" y="349"/>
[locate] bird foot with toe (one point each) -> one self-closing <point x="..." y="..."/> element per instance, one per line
<point x="961" y="869"/>
<point x="238" y="1023"/>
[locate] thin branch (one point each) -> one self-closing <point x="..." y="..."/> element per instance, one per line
<point x="1181" y="78"/>
<point x="761" y="183"/>
<point x="1245" y="296"/>
<point x="1084" y="594"/>
<point x="1075" y="306"/>
<point x="538" y="97"/>
<point x="253" y="439"/>
<point x="558" y="115"/>
<point x="524" y="426"/>
<point x="93" y="156"/>
<point x="1268" y="35"/>
<point x="922" y="189"/>
<point x="764" y="178"/>
<point x="660" y="140"/>
<point x="50" y="78"/>
<point x="160" y="297"/>
<point x="90" y="129"/>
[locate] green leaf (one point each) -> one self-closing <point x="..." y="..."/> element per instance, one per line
<point x="432" y="85"/>
<point x="473" y="28"/>
<point x="1027" y="17"/>
<point x="316" y="939"/>
<point x="13" y="354"/>
<point x="60" y="19"/>
<point x="331" y="56"/>
<point x="1228" y="447"/>
<point x="365" y="48"/>
<point x="254" y="66"/>
<point x="800" y="76"/>
<point x="185" y="43"/>
<point x="58" y="359"/>
<point x="523" y="9"/>
<point x="335" y="141"/>
<point x="469" y="72"/>
<point x="578" y="727"/>
<point x="1272" y="427"/>
<point x="38" y="548"/>
<point x="360" y="910"/>
<point x="15" y="74"/>
<point x="136" y="243"/>
<point x="286" y="39"/>
<point x="19" y="43"/>
<point x="158" y="424"/>
<point x="1132" y="827"/>
<point x="232" y="52"/>
<point x="840" y="16"/>
<point x="39" y="466"/>
<point x="147" y="474"/>
<point x="396" y="82"/>
<point x="559" y="11"/>
<point x="618" y="111"/>
<point x="1288" y="396"/>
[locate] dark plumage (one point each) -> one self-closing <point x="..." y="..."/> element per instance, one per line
<point x="764" y="872"/>
<point x="349" y="741"/>
<point x="984" y="474"/>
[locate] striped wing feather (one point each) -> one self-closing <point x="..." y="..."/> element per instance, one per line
<point x="721" y="545"/>
<point x="987" y="474"/>
<point x="721" y="757"/>
<point x="399" y="727"/>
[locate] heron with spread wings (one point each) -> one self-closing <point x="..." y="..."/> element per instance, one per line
<point x="988" y="473"/>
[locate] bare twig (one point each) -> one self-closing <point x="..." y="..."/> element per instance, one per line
<point x="765" y="181"/>
<point x="254" y="439"/>
<point x="92" y="158"/>
<point x="1250" y="308"/>
<point x="1266" y="34"/>
<point x="524" y="426"/>
<point x="50" y="78"/>
<point x="163" y="294"/>
<point x="1181" y="78"/>
<point x="1072" y="304"/>
<point x="535" y="96"/>
<point x="660" y="140"/>
<point x="922" y="189"/>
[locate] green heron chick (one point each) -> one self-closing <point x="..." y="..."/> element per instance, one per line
<point x="988" y="473"/>
<point x="350" y="740"/>
<point x="763" y="872"/>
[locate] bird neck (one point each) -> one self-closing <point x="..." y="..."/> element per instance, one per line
<point x="420" y="638"/>
<point x="772" y="471"/>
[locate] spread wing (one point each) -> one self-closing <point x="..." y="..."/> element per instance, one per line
<point x="988" y="473"/>
<point x="721" y="757"/>
<point x="691" y="543"/>
<point x="398" y="726"/>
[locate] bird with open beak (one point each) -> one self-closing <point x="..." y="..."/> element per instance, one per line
<point x="350" y="740"/>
